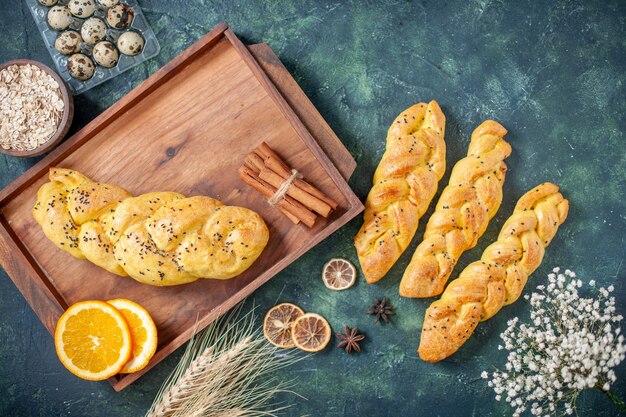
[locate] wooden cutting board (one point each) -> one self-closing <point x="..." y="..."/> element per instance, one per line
<point x="185" y="129"/>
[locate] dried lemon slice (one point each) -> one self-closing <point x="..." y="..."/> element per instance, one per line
<point x="143" y="334"/>
<point x="277" y="324"/>
<point x="93" y="340"/>
<point x="311" y="332"/>
<point x="339" y="274"/>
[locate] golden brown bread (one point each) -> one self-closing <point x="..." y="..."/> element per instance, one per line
<point x="159" y="238"/>
<point x="466" y="206"/>
<point x="485" y="286"/>
<point x="404" y="184"/>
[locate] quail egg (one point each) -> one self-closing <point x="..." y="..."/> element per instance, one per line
<point x="93" y="30"/>
<point x="82" y="8"/>
<point x="108" y="3"/>
<point x="105" y="54"/>
<point x="59" y="17"/>
<point x="130" y="43"/>
<point x="80" y="67"/>
<point x="48" y="3"/>
<point x="120" y="16"/>
<point x="68" y="42"/>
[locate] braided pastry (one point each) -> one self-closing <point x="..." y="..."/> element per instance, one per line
<point x="159" y="238"/>
<point x="404" y="183"/>
<point x="485" y="286"/>
<point x="466" y="206"/>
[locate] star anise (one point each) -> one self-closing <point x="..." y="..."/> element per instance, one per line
<point x="349" y="340"/>
<point x="381" y="309"/>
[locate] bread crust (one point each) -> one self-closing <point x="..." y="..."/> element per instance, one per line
<point x="157" y="238"/>
<point x="467" y="204"/>
<point x="404" y="184"/>
<point x="498" y="278"/>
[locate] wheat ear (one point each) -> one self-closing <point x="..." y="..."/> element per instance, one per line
<point x="226" y="370"/>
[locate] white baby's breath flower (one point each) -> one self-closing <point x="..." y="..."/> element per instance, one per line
<point x="571" y="343"/>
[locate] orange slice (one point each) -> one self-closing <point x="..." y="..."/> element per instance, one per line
<point x="93" y="340"/>
<point x="143" y="333"/>
<point x="311" y="332"/>
<point x="277" y="324"/>
<point x="338" y="274"/>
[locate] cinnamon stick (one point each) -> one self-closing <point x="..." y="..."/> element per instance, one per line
<point x="248" y="178"/>
<point x="309" y="201"/>
<point x="257" y="164"/>
<point x="287" y="204"/>
<point x="255" y="161"/>
<point x="272" y="159"/>
<point x="276" y="164"/>
<point x="315" y="192"/>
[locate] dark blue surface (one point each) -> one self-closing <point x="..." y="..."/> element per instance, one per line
<point x="553" y="73"/>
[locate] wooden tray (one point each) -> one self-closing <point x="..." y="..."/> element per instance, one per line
<point x="304" y="109"/>
<point x="186" y="128"/>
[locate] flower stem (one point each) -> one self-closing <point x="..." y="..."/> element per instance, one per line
<point x="621" y="406"/>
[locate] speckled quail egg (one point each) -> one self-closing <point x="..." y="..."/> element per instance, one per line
<point x="82" y="8"/>
<point x="105" y="54"/>
<point x="120" y="16"/>
<point x="59" y="17"/>
<point x="108" y="3"/>
<point x="93" y="30"/>
<point x="68" y="42"/>
<point x="80" y="67"/>
<point x="130" y="43"/>
<point x="48" y="3"/>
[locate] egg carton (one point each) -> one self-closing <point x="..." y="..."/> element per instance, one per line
<point x="139" y="24"/>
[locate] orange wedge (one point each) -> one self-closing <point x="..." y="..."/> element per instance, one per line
<point x="143" y="333"/>
<point x="93" y="340"/>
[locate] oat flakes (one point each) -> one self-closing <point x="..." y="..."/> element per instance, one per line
<point x="31" y="107"/>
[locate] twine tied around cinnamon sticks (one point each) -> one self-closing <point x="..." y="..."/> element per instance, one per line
<point x="284" y="188"/>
